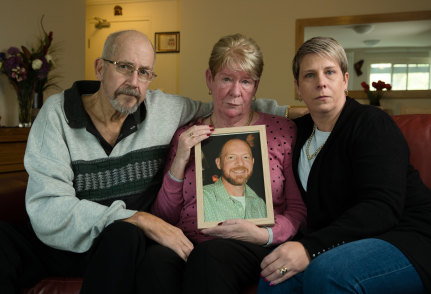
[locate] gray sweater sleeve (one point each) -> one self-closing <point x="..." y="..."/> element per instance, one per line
<point x="198" y="109"/>
<point x="193" y="109"/>
<point x="269" y="106"/>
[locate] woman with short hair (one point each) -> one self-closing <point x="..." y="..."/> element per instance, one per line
<point x="226" y="258"/>
<point x="368" y="212"/>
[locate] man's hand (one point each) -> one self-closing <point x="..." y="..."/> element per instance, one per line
<point x="290" y="255"/>
<point x="239" y="229"/>
<point x="163" y="233"/>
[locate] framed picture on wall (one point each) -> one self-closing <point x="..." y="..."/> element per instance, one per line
<point x="232" y="177"/>
<point x="167" y="42"/>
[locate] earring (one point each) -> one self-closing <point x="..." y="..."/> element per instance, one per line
<point x="254" y="98"/>
<point x="346" y="92"/>
<point x="210" y="92"/>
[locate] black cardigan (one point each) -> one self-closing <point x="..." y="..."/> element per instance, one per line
<point x="362" y="185"/>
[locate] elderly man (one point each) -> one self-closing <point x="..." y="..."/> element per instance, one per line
<point x="94" y="158"/>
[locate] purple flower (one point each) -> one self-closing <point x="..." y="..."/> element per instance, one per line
<point x="13" y="51"/>
<point x="27" y="69"/>
<point x="12" y="62"/>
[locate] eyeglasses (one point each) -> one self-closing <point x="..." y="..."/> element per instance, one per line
<point x="127" y="69"/>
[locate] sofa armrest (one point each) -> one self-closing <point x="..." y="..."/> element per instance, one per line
<point x="416" y="128"/>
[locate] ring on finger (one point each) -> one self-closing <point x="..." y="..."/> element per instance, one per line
<point x="191" y="134"/>
<point x="283" y="271"/>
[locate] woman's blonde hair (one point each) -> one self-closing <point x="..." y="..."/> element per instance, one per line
<point x="237" y="52"/>
<point x="325" y="46"/>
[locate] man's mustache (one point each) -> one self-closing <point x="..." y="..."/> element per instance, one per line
<point x="128" y="91"/>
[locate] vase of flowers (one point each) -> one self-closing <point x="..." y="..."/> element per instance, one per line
<point x="24" y="95"/>
<point x="375" y="96"/>
<point x="27" y="71"/>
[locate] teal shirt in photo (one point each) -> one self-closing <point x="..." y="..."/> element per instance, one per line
<point x="219" y="206"/>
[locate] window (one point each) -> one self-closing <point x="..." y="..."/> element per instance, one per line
<point x="411" y="76"/>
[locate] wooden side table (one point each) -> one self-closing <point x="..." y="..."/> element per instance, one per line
<point x="12" y="147"/>
<point x="13" y="177"/>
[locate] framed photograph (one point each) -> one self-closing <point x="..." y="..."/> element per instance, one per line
<point x="232" y="177"/>
<point x="167" y="42"/>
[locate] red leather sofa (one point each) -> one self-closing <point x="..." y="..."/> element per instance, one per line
<point x="415" y="127"/>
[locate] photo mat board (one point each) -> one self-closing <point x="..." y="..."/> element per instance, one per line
<point x="207" y="173"/>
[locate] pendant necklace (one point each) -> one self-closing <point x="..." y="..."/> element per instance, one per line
<point x="307" y="149"/>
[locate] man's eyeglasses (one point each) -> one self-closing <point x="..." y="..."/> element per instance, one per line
<point x="125" y="68"/>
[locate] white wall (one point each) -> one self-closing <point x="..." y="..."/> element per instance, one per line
<point x="20" y="25"/>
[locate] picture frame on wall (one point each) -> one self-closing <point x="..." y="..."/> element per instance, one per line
<point x="167" y="42"/>
<point x="213" y="170"/>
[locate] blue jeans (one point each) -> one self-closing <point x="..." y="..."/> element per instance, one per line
<point x="364" y="266"/>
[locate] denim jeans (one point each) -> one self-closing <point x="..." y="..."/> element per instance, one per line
<point x="364" y="266"/>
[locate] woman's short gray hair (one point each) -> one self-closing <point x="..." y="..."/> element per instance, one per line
<point x="326" y="46"/>
<point x="238" y="53"/>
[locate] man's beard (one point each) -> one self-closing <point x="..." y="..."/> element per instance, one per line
<point x="125" y="91"/>
<point x="238" y="180"/>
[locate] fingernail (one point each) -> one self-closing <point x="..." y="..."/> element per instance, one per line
<point x="265" y="279"/>
<point x="208" y="135"/>
<point x="212" y="130"/>
<point x="198" y="123"/>
<point x="212" y="126"/>
<point x="271" y="284"/>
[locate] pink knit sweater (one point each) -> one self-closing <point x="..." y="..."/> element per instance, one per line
<point x="176" y="201"/>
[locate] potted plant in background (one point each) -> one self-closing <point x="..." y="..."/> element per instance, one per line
<point x="375" y="96"/>
<point x="27" y="71"/>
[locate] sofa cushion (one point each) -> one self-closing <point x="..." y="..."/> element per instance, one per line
<point x="416" y="128"/>
<point x="56" y="285"/>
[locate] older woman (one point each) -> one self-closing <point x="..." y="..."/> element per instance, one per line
<point x="368" y="212"/>
<point x="227" y="257"/>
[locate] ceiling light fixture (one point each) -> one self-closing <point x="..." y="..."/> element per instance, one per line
<point x="363" y="29"/>
<point x="371" y="42"/>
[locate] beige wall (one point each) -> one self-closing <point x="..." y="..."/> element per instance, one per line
<point x="19" y="25"/>
<point x="159" y="16"/>
<point x="201" y="22"/>
<point x="272" y="25"/>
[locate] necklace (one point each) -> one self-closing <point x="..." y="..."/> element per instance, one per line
<point x="250" y="118"/>
<point x="307" y="149"/>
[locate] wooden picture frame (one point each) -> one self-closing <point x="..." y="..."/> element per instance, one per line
<point x="167" y="42"/>
<point x="207" y="172"/>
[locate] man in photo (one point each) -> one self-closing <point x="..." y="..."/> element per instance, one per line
<point x="230" y="197"/>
